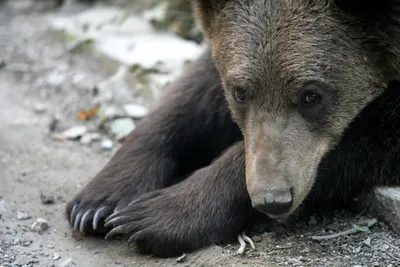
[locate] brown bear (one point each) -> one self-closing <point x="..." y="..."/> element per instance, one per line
<point x="295" y="102"/>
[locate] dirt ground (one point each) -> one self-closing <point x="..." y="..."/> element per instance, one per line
<point x="39" y="78"/>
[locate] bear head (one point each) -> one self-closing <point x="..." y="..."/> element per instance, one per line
<point x="295" y="74"/>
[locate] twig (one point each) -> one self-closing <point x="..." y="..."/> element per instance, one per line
<point x="288" y="247"/>
<point x="248" y="240"/>
<point x="354" y="230"/>
<point x="242" y="247"/>
<point x="242" y="237"/>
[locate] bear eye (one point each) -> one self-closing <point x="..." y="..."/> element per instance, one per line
<point x="310" y="98"/>
<point x="240" y="95"/>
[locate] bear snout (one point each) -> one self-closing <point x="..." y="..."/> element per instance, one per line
<point x="274" y="202"/>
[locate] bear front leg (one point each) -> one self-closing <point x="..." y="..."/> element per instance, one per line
<point x="211" y="206"/>
<point x="185" y="131"/>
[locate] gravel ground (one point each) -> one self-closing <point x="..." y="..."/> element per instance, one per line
<point x="40" y="79"/>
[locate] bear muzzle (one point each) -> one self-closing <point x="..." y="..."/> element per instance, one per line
<point x="275" y="203"/>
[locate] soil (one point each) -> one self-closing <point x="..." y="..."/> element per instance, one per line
<point x="39" y="79"/>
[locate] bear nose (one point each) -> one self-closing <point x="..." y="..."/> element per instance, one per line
<point x="274" y="202"/>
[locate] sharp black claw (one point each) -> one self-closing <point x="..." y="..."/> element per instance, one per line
<point x="87" y="216"/>
<point x="73" y="213"/>
<point x="78" y="220"/>
<point x="100" y="213"/>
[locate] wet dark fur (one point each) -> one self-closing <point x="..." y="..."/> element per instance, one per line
<point x="191" y="134"/>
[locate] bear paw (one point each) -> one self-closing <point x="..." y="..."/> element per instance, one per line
<point x="88" y="210"/>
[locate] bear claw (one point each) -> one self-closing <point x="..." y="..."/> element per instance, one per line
<point x="100" y="213"/>
<point x="88" y="215"/>
<point x="80" y="218"/>
<point x="73" y="213"/>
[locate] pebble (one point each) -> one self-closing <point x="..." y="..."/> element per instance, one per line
<point x="122" y="127"/>
<point x="367" y="242"/>
<point x="257" y="239"/>
<point x="75" y="132"/>
<point x="65" y="263"/>
<point x="47" y="200"/>
<point x="333" y="227"/>
<point x="40" y="226"/>
<point x="56" y="257"/>
<point x="56" y="79"/>
<point x="40" y="108"/>
<point x="112" y="112"/>
<point x="89" y="138"/>
<point x="135" y="111"/>
<point x="181" y="258"/>
<point x="107" y="144"/>
<point x="22" y="216"/>
<point x="72" y="133"/>
<point x="312" y="221"/>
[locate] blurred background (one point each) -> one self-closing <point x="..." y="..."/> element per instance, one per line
<point x="135" y="49"/>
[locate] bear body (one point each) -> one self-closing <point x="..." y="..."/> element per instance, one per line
<point x="230" y="142"/>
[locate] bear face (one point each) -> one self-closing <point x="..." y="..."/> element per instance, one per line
<point x="295" y="74"/>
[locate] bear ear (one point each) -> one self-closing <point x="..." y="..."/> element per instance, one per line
<point x="206" y="12"/>
<point x="370" y="9"/>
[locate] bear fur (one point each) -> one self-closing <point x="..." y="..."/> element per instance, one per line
<point x="193" y="171"/>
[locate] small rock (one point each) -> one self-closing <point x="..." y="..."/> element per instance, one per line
<point x="75" y="132"/>
<point x="65" y="263"/>
<point x="122" y="127"/>
<point x="40" y="108"/>
<point x="107" y="144"/>
<point x="181" y="258"/>
<point x="112" y="112"/>
<point x="26" y="243"/>
<point x="22" y="216"/>
<point x="135" y="111"/>
<point x="47" y="200"/>
<point x="333" y="226"/>
<point x="56" y="79"/>
<point x="312" y="221"/>
<point x="386" y="205"/>
<point x="54" y="120"/>
<point x="56" y="257"/>
<point x="72" y="133"/>
<point x="367" y="242"/>
<point x="256" y="239"/>
<point x="384" y="247"/>
<point x="40" y="226"/>
<point x="89" y="138"/>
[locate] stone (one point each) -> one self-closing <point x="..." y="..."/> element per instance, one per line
<point x="40" y="225"/>
<point x="66" y="263"/>
<point x="312" y="221"/>
<point x="89" y="138"/>
<point x="22" y="216"/>
<point x="47" y="199"/>
<point x="135" y="111"/>
<point x="107" y="144"/>
<point x="386" y="206"/>
<point x="120" y="128"/>
<point x="74" y="132"/>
